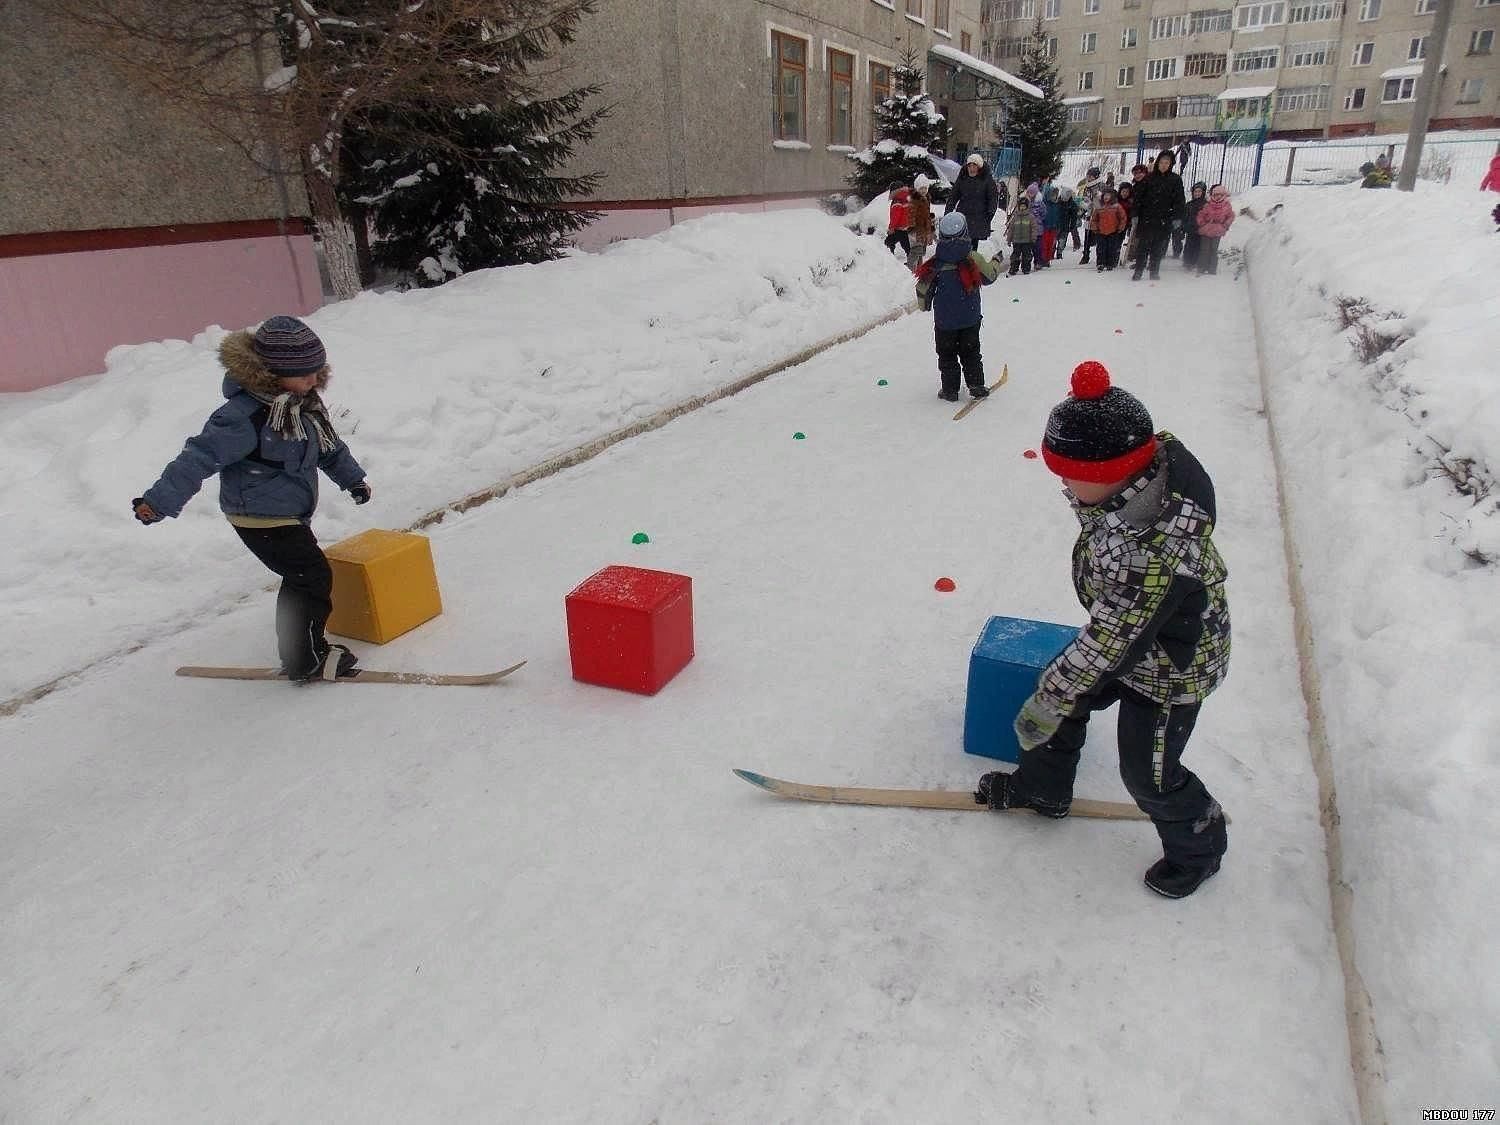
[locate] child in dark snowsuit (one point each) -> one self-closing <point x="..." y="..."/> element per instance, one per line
<point x="1157" y="641"/>
<point x="1193" y="241"/>
<point x="267" y="443"/>
<point x="1021" y="232"/>
<point x="949" y="283"/>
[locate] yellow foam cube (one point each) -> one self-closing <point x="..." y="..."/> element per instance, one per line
<point x="383" y="585"/>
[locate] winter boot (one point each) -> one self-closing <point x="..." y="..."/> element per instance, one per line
<point x="1174" y="880"/>
<point x="996" y="792"/>
<point x="337" y="663"/>
<point x="979" y="392"/>
<point x="948" y="396"/>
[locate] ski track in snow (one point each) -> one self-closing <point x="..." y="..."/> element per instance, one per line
<point x="551" y="902"/>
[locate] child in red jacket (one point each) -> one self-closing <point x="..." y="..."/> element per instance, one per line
<point x="898" y="226"/>
<point x="1213" y="222"/>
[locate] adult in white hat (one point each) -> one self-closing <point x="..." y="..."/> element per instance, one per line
<point x="976" y="196"/>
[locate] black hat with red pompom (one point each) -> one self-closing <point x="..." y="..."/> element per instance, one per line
<point x="1099" y="433"/>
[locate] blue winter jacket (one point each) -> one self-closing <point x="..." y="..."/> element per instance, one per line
<point x="953" y="306"/>
<point x="1054" y="211"/>
<point x="261" y="472"/>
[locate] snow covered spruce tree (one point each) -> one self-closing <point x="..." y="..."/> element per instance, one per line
<point x="289" y="81"/>
<point x="487" y="194"/>
<point x="1040" y="124"/>
<point x="909" y="129"/>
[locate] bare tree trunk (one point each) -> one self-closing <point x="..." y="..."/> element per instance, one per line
<point x="339" y="250"/>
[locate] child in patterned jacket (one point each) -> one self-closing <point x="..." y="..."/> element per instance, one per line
<point x="1157" y="641"/>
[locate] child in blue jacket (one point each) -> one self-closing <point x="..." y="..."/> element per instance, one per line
<point x="267" y="443"/>
<point x="949" y="283"/>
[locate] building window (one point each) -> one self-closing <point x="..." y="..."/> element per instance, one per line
<point x="1399" y="90"/>
<point x="1126" y="77"/>
<point x="1309" y="54"/>
<point x="1080" y="114"/>
<point x="1051" y="46"/>
<point x="789" y="111"/>
<point x="1470" y="91"/>
<point x="1196" y="105"/>
<point x="1052" y="9"/>
<point x="914" y="9"/>
<point x="1369" y="9"/>
<point x="880" y="82"/>
<point x="1129" y="4"/>
<point x="1127" y="38"/>
<point x="940" y="15"/>
<point x="1091" y="7"/>
<point x="1481" y="42"/>
<point x="1206" y="21"/>
<point x="1301" y="99"/>
<point x="1122" y="115"/>
<point x="1416" y="51"/>
<point x="1254" y="16"/>
<point x="1426" y="7"/>
<point x="1166" y="27"/>
<point x="1317" y="12"/>
<point x="1085" y="81"/>
<point x="1205" y="66"/>
<point x="1158" y="109"/>
<point x="1485" y="3"/>
<point x="1354" y="99"/>
<point x="840" y="98"/>
<point x="1158" y="70"/>
<point x="1013" y="10"/>
<point x="1245" y="107"/>
<point x="1249" y="62"/>
<point x="965" y="42"/>
<point x="1088" y="43"/>
<point x="1364" y="54"/>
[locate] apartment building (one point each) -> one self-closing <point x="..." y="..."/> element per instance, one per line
<point x="756" y="103"/>
<point x="1301" y="68"/>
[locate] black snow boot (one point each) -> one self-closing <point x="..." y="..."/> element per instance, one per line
<point x="979" y="392"/>
<point x="995" y="790"/>
<point x="1173" y="880"/>
<point x="948" y="396"/>
<point x="337" y="663"/>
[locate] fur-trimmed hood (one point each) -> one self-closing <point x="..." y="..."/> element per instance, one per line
<point x="244" y="371"/>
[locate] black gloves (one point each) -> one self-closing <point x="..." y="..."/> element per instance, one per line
<point x="145" y="512"/>
<point x="361" y="492"/>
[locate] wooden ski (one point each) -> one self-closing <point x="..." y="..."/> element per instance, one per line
<point x="973" y="402"/>
<point x="953" y="799"/>
<point x="361" y="676"/>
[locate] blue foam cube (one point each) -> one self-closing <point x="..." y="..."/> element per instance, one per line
<point x="1008" y="657"/>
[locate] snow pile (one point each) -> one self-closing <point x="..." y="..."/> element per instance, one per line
<point x="1379" y="325"/>
<point x="438" y="392"/>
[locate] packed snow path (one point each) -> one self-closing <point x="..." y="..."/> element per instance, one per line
<point x="550" y="902"/>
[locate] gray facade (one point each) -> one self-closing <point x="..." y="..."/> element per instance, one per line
<point x="692" y="86"/>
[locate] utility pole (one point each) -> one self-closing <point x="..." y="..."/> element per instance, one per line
<point x="1427" y="86"/>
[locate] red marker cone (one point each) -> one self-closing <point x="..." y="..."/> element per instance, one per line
<point x="945" y="585"/>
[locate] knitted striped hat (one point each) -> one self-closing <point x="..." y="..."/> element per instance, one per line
<point x="288" y="347"/>
<point x="1099" y="433"/>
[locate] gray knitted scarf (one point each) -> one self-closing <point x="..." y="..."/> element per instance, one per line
<point x="288" y="412"/>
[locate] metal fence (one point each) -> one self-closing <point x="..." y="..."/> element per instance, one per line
<point x="1459" y="160"/>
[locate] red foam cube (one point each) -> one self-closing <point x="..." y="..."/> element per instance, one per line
<point x="630" y="628"/>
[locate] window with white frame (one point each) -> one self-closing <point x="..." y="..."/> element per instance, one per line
<point x="1159" y="70"/>
<point x="1301" y="99"/>
<point x="1197" y="105"/>
<point x="1127" y="38"/>
<point x="940" y="15"/>
<point x="1369" y="10"/>
<point x="1399" y="90"/>
<point x="1080" y="114"/>
<point x="1254" y="16"/>
<point x="1211" y="20"/>
<point x="1051" y="51"/>
<point x="914" y="9"/>
<point x="1470" y="90"/>
<point x="1354" y="99"/>
<point x="1088" y="43"/>
<point x="1122" y="115"/>
<point x="1166" y="27"/>
<point x="1245" y="107"/>
<point x="1309" y="54"/>
<point x="1052" y="10"/>
<point x="789" y="105"/>
<point x="1206" y="65"/>
<point x="1364" y="54"/>
<point x="1319" y="11"/>
<point x="1013" y="10"/>
<point x="840" y="97"/>
<point x="1481" y="42"/>
<point x="1263" y="58"/>
<point x="1416" y="51"/>
<point x="1426" y="7"/>
<point x="1085" y="81"/>
<point x="1091" y="7"/>
<point x="1126" y="77"/>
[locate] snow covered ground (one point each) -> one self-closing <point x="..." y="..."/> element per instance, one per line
<point x="549" y="902"/>
<point x="439" y="393"/>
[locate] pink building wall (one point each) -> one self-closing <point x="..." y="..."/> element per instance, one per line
<point x="61" y="312"/>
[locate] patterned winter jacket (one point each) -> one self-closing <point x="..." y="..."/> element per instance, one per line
<point x="1146" y="569"/>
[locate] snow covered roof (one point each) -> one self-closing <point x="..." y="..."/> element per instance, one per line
<point x="1247" y="92"/>
<point x="1090" y="100"/>
<point x="965" y="61"/>
<point x="1414" y="71"/>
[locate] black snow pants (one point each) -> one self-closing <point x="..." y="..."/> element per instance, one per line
<point x="1152" y="738"/>
<point x="306" y="596"/>
<point x="959" y="347"/>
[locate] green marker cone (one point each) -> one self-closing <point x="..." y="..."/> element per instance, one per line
<point x="799" y="436"/>
<point x="640" y="537"/>
<point x="882" y="383"/>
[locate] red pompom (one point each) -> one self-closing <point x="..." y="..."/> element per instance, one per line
<point x="1090" y="379"/>
<point x="945" y="585"/>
